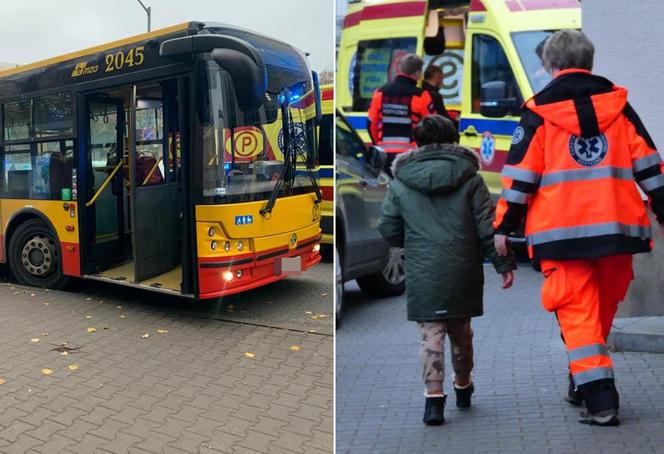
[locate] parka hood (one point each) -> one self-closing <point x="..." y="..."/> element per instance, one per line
<point x="579" y="102"/>
<point x="436" y="168"/>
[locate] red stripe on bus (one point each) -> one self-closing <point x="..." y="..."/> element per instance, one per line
<point x="496" y="165"/>
<point x="477" y="5"/>
<point x="327" y="192"/>
<point x="71" y="259"/>
<point x="353" y="19"/>
<point x="328" y="94"/>
<point x="390" y="11"/>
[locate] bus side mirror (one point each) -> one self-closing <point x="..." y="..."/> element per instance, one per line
<point x="242" y="61"/>
<point x="249" y="79"/>
<point x="317" y="93"/>
<point x="494" y="101"/>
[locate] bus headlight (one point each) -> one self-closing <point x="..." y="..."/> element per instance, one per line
<point x="213" y="245"/>
<point x="240" y="245"/>
<point x="238" y="274"/>
<point x="211" y="232"/>
<point x="317" y="248"/>
<point x="227" y="246"/>
<point x="228" y="276"/>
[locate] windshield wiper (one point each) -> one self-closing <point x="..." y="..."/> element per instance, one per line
<point x="285" y="127"/>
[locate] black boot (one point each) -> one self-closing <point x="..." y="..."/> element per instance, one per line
<point x="434" y="409"/>
<point x="574" y="396"/>
<point x="463" y="395"/>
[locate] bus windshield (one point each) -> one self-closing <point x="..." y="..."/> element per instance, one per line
<point x="529" y="46"/>
<point x="243" y="153"/>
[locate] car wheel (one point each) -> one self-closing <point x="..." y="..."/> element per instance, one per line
<point x="389" y="282"/>
<point x="339" y="293"/>
<point x="34" y="256"/>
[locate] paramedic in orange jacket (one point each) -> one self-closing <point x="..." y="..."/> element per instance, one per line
<point x="573" y="162"/>
<point x="397" y="107"/>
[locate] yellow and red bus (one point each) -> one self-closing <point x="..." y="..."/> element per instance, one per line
<point x="181" y="161"/>
<point x="326" y="171"/>
<point x="487" y="49"/>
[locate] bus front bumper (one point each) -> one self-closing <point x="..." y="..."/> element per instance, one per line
<point x="218" y="277"/>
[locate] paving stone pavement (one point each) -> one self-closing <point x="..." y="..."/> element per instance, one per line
<point x="520" y="375"/>
<point x="188" y="387"/>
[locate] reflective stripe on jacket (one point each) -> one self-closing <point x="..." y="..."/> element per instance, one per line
<point x="572" y="165"/>
<point x="395" y="110"/>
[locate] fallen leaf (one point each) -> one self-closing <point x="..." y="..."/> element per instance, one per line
<point x="319" y="316"/>
<point x="295" y="348"/>
<point x="323" y="294"/>
<point x="308" y="312"/>
<point x="34" y="340"/>
<point x="33" y="294"/>
<point x="2" y="382"/>
<point x="249" y="355"/>
<point x="72" y="367"/>
<point x="145" y="336"/>
<point x="88" y="299"/>
<point x="46" y="304"/>
<point x="92" y="330"/>
<point x="123" y="316"/>
<point x="47" y="371"/>
<point x="44" y="334"/>
<point x="162" y="331"/>
<point x="118" y="307"/>
<point x="65" y="353"/>
<point x="88" y="317"/>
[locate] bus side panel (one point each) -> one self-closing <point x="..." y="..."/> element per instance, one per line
<point x="64" y="222"/>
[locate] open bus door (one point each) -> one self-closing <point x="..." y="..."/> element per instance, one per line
<point x="155" y="202"/>
<point x="103" y="217"/>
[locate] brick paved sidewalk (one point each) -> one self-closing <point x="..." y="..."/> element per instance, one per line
<point x="520" y="376"/>
<point x="187" y="388"/>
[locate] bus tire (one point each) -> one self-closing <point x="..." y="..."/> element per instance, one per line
<point x="34" y="256"/>
<point x="389" y="282"/>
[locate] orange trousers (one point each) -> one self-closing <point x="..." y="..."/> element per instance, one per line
<point x="585" y="294"/>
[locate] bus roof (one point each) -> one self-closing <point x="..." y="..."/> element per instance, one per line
<point x="93" y="50"/>
<point x="520" y="13"/>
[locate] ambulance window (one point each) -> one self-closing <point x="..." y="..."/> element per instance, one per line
<point x="376" y="64"/>
<point x="490" y="64"/>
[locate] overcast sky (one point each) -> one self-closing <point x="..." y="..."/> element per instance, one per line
<point x="32" y="30"/>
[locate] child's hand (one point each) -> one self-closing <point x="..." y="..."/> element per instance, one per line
<point x="500" y="242"/>
<point x="508" y="279"/>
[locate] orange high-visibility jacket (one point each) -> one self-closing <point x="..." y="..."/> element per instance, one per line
<point x="572" y="165"/>
<point x="395" y="110"/>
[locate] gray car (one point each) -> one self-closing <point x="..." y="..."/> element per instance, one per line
<point x="361" y="253"/>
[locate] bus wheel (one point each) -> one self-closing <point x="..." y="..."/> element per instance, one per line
<point x="34" y="256"/>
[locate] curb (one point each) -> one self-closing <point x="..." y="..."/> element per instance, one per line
<point x="637" y="334"/>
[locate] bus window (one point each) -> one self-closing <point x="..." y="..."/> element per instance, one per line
<point x="16" y="120"/>
<point x="53" y="115"/>
<point x="490" y="64"/>
<point x="377" y="63"/>
<point x="325" y="140"/>
<point x="39" y="171"/>
<point x="17" y="165"/>
<point x="149" y="137"/>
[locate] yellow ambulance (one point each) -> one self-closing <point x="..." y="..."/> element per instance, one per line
<point x="489" y="51"/>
